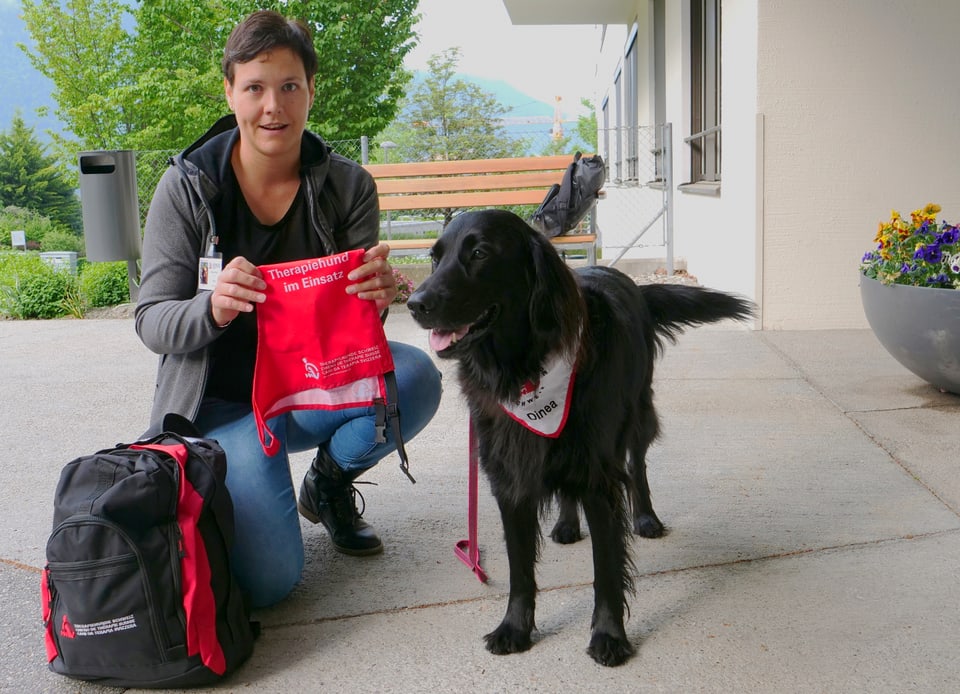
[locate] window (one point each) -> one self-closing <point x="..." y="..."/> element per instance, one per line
<point x="618" y="126"/>
<point x="704" y="139"/>
<point x="605" y="129"/>
<point x="659" y="84"/>
<point x="631" y="71"/>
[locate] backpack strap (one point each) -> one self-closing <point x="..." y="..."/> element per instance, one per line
<point x="566" y="193"/>
<point x="390" y="410"/>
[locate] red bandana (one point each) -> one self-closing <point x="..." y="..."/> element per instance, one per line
<point x="317" y="346"/>
<point x="543" y="406"/>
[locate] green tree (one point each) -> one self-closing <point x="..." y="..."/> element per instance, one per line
<point x="447" y="118"/>
<point x="31" y="179"/>
<point x="82" y="47"/>
<point x="159" y="86"/>
<point x="587" y="126"/>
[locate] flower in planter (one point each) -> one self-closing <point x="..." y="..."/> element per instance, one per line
<point x="920" y="252"/>
<point x="404" y="287"/>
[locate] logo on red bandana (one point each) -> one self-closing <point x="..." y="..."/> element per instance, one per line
<point x="543" y="406"/>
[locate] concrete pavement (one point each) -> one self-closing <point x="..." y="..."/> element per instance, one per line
<point x="809" y="484"/>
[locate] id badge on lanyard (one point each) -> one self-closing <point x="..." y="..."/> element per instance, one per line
<point x="210" y="266"/>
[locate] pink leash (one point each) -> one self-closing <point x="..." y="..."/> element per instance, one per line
<point x="467" y="550"/>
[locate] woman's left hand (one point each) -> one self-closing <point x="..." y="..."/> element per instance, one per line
<point x="376" y="281"/>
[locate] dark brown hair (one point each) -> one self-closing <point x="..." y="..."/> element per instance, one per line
<point x="264" y="31"/>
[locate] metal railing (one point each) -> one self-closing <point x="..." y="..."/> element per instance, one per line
<point x="705" y="165"/>
<point x="640" y="205"/>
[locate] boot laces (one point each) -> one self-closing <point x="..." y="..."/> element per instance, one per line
<point x="345" y="507"/>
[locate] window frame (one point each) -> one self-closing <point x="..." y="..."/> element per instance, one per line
<point x="705" y="84"/>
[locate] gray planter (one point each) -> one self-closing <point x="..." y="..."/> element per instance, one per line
<point x="919" y="326"/>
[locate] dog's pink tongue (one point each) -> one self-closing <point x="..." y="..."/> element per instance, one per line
<point x="441" y="339"/>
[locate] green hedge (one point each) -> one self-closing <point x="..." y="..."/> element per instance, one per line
<point x="105" y="284"/>
<point x="30" y="288"/>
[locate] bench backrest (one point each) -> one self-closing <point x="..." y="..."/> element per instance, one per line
<point x="467" y="183"/>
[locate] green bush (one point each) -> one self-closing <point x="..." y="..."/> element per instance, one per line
<point x="61" y="240"/>
<point x="105" y="284"/>
<point x="34" y="225"/>
<point x="29" y="288"/>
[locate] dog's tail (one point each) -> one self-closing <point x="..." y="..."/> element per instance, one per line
<point x="674" y="307"/>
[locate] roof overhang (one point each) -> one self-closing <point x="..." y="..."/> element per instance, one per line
<point x="571" y="11"/>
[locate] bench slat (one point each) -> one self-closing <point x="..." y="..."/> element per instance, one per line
<point x="469" y="166"/>
<point x="428" y="201"/>
<point x="427" y="243"/>
<point x="449" y="184"/>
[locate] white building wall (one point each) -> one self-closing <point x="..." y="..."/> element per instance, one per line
<point x="861" y="111"/>
<point x="832" y="114"/>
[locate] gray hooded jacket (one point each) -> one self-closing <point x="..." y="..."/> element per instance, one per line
<point x="173" y="317"/>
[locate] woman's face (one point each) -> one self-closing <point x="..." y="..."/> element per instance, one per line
<point x="271" y="98"/>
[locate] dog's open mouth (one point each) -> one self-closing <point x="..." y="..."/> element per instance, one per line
<point x="442" y="340"/>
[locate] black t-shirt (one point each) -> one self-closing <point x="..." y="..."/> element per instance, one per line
<point x="233" y="354"/>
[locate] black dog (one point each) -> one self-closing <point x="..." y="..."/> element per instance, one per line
<point x="523" y="327"/>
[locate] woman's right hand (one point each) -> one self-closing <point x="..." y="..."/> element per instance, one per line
<point x="239" y="286"/>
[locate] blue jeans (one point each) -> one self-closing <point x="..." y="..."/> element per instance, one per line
<point x="268" y="554"/>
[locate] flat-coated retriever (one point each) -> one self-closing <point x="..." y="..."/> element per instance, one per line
<point x="556" y="366"/>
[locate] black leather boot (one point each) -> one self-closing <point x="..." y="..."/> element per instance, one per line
<point x="328" y="496"/>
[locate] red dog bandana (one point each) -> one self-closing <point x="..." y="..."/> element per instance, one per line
<point x="319" y="347"/>
<point x="543" y="405"/>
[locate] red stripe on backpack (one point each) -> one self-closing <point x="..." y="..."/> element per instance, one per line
<point x="198" y="601"/>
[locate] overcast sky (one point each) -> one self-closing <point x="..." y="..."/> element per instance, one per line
<point x="542" y="61"/>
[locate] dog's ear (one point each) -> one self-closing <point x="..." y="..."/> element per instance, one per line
<point x="556" y="307"/>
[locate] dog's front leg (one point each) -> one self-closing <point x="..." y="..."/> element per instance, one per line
<point x="522" y="533"/>
<point x="611" y="578"/>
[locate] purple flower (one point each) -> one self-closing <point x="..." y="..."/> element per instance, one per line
<point x="949" y="236"/>
<point x="932" y="253"/>
<point x="940" y="280"/>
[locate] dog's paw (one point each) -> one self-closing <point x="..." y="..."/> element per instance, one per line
<point x="566" y="533"/>
<point x="507" y="639"/>
<point x="609" y="650"/>
<point x="648" y="525"/>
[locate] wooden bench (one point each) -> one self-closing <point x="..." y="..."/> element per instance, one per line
<point x="474" y="183"/>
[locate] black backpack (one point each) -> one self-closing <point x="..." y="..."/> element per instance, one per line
<point x="569" y="201"/>
<point x="137" y="590"/>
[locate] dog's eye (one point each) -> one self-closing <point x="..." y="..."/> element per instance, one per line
<point x="478" y="254"/>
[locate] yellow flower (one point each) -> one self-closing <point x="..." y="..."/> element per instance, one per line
<point x="931" y="209"/>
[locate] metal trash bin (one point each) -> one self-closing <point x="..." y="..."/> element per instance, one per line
<point x="111" y="209"/>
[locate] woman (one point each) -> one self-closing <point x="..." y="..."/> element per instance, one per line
<point x="259" y="188"/>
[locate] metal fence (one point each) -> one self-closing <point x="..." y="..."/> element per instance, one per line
<point x="635" y="218"/>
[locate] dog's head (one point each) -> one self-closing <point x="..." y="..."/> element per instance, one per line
<point x="499" y="289"/>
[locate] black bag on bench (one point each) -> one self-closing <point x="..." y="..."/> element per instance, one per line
<point x="568" y="202"/>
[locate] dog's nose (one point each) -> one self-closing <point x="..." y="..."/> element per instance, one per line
<point x="417" y="304"/>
